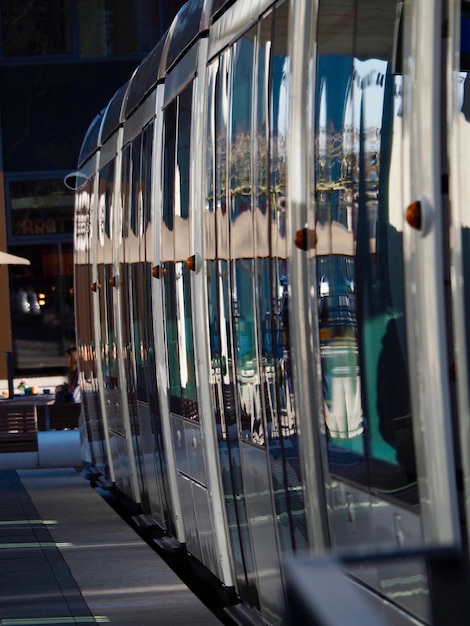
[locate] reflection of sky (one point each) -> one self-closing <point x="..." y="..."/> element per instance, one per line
<point x="363" y="89"/>
<point x="366" y="91"/>
<point x="349" y="91"/>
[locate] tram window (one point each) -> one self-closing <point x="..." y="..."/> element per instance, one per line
<point x="107" y="180"/>
<point x="136" y="187"/>
<point x="359" y="265"/>
<point x="174" y="250"/>
<point x="147" y="151"/>
<point x="242" y="246"/>
<point x="125" y="189"/>
<point x="39" y="28"/>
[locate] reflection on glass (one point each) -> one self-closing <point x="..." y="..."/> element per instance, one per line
<point x="359" y="266"/>
<point x="175" y="245"/>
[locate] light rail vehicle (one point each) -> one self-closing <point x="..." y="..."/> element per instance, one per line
<point x="272" y="285"/>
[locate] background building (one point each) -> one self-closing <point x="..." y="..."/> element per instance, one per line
<point x="60" y="63"/>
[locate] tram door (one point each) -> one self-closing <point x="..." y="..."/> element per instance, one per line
<point x="360" y="171"/>
<point x="182" y="393"/>
<point x="91" y="430"/>
<point x="248" y="303"/>
<point x="121" y="451"/>
<point x="139" y="353"/>
<point x="359" y="279"/>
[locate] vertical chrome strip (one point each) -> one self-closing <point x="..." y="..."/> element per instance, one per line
<point x="424" y="274"/>
<point x="161" y="358"/>
<point x="456" y="158"/>
<point x="200" y="321"/>
<point x="303" y="330"/>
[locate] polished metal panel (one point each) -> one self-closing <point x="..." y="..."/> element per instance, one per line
<point x="257" y="486"/>
<point x="303" y="335"/>
<point x="427" y="291"/>
<point x="161" y="358"/>
<point x="353" y="278"/>
<point x="195" y="453"/>
<point x="402" y="582"/>
<point x="180" y="445"/>
<point x="213" y="479"/>
<point x="145" y="444"/>
<point x="202" y="539"/>
<point x="91" y="435"/>
<point x="459" y="131"/>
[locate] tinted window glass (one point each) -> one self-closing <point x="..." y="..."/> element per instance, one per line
<point x="360" y="252"/>
<point x="37" y="27"/>
<point x="40" y="208"/>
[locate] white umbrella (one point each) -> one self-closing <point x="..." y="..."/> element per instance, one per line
<point x="11" y="259"/>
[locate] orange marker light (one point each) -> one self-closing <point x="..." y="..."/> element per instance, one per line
<point x="414" y="215"/>
<point x="191" y="263"/>
<point x="305" y="239"/>
<point x="158" y="271"/>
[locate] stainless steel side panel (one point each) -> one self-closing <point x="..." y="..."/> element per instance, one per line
<point x="262" y="529"/>
<point x="425" y="284"/>
<point x="147" y="461"/>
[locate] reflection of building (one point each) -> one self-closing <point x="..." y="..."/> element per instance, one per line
<point x="60" y="63"/>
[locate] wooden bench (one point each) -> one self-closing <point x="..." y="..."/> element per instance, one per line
<point x="58" y="416"/>
<point x="18" y="428"/>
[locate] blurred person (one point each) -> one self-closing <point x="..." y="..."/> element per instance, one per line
<point x="69" y="392"/>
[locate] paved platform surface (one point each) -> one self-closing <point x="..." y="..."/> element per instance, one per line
<point x="66" y="557"/>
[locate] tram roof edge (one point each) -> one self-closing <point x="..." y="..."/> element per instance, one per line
<point x="90" y="141"/>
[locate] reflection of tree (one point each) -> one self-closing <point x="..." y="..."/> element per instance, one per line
<point x="241" y="158"/>
<point x="337" y="170"/>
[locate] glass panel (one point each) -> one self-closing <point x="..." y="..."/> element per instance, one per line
<point x="273" y="291"/>
<point x="147" y="156"/>
<point x="460" y="216"/>
<point x="220" y="333"/>
<point x="242" y="243"/>
<point x="359" y="252"/>
<point x="40" y="208"/>
<point x="42" y="99"/>
<point x="126" y="200"/>
<point x="175" y="251"/>
<point x="136" y="188"/>
<point x="112" y="28"/>
<point x="36" y="28"/>
<point x="108" y="338"/>
<point x="42" y="307"/>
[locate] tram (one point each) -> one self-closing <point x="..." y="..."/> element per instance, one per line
<point x="272" y="281"/>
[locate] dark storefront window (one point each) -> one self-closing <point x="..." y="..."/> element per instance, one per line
<point x="60" y="63"/>
<point x="42" y="307"/>
<point x="40" y="208"/>
<point x="36" y="27"/>
<point x="109" y="28"/>
<point x="115" y="28"/>
<point x="41" y="294"/>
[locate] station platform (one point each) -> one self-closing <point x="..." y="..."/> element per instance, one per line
<point x="67" y="557"/>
